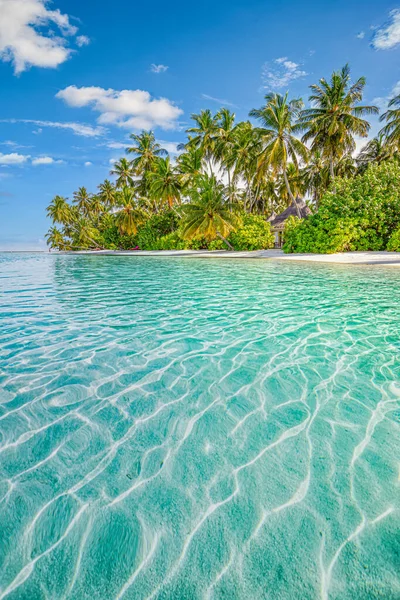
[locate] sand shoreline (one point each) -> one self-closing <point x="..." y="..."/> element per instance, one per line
<point x="360" y="258"/>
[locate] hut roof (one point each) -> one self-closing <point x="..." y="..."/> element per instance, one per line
<point x="279" y="221"/>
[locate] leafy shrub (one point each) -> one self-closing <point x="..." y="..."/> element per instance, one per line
<point x="217" y="245"/>
<point x="394" y="241"/>
<point x="254" y="234"/>
<point x="361" y="214"/>
<point x="156" y="227"/>
<point x="172" y="241"/>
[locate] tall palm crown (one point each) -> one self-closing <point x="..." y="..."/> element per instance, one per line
<point x="59" y="210"/>
<point x="204" y="134"/>
<point x="123" y="171"/>
<point x="335" y="116"/>
<point x="392" y="117"/>
<point x="55" y="238"/>
<point x="107" y="193"/>
<point x="129" y="215"/>
<point x="208" y="214"/>
<point x="82" y="199"/>
<point x="377" y="150"/>
<point x="165" y="184"/>
<point x="189" y="165"/>
<point x="280" y="146"/>
<point x="147" y="150"/>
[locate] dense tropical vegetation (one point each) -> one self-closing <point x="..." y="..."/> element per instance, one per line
<point x="230" y="177"/>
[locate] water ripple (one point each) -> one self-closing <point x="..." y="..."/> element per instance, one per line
<point x="191" y="429"/>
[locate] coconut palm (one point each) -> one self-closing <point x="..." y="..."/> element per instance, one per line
<point x="129" y="215"/>
<point x="280" y="146"/>
<point x="224" y="142"/>
<point x="59" y="210"/>
<point x="147" y="150"/>
<point x="82" y="199"/>
<point x="204" y="134"/>
<point x="315" y="175"/>
<point x="107" y="193"/>
<point x="243" y="159"/>
<point x="55" y="239"/>
<point x="85" y="234"/>
<point x="377" y="150"/>
<point x="165" y="184"/>
<point x="208" y="214"/>
<point x="392" y="117"/>
<point x="189" y="165"/>
<point x="335" y="117"/>
<point x="123" y="171"/>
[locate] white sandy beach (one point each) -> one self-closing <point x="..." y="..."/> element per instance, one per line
<point x="360" y="258"/>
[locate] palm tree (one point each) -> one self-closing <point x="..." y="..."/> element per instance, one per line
<point x="123" y="170"/>
<point x="107" y="193"/>
<point x="278" y="118"/>
<point x="377" y="150"/>
<point x="224" y="141"/>
<point x="243" y="158"/>
<point x="129" y="215"/>
<point x="59" y="210"/>
<point x="315" y="175"/>
<point x="147" y="151"/>
<point x="204" y="134"/>
<point x="82" y="199"/>
<point x="85" y="234"/>
<point x="392" y="117"/>
<point x="165" y="182"/>
<point x="208" y="214"/>
<point x="55" y="239"/>
<point x="189" y="165"/>
<point x="335" y="117"/>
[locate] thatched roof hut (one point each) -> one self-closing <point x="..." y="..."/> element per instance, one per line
<point x="277" y="222"/>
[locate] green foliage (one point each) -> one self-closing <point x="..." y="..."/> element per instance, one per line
<point x="217" y="245"/>
<point x="171" y="241"/>
<point x="394" y="241"/>
<point x="254" y="234"/>
<point x="360" y="214"/>
<point x="156" y="227"/>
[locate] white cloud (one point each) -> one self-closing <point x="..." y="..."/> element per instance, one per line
<point x="382" y="101"/>
<point x="388" y="36"/>
<point x="13" y="159"/>
<point x="112" y="161"/>
<point x="220" y="101"/>
<point x="158" y="68"/>
<point x="82" y="40"/>
<point x="170" y="147"/>
<point x="361" y="35"/>
<point x="117" y="145"/>
<point x="46" y="160"/>
<point x="27" y="38"/>
<point x="88" y="163"/>
<point x="77" y="128"/>
<point x="280" y="72"/>
<point x="133" y="109"/>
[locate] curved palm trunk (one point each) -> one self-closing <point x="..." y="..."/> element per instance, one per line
<point x="221" y="237"/>
<point x="290" y="194"/>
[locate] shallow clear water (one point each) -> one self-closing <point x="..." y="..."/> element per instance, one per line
<point x="185" y="428"/>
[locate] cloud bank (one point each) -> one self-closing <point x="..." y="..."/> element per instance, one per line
<point x="133" y="109"/>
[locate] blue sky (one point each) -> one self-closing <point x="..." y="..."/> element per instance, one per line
<point x="78" y="77"/>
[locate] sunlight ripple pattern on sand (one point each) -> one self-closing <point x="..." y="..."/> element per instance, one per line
<point x="177" y="429"/>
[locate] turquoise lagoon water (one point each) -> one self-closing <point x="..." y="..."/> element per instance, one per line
<point x="198" y="429"/>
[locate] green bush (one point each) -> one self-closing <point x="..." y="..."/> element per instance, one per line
<point x="217" y="245"/>
<point x="254" y="234"/>
<point x="172" y="241"/>
<point x="394" y="241"/>
<point x="361" y="214"/>
<point x="156" y="227"/>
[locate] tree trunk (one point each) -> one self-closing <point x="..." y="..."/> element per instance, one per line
<point x="289" y="191"/>
<point x="221" y="237"/>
